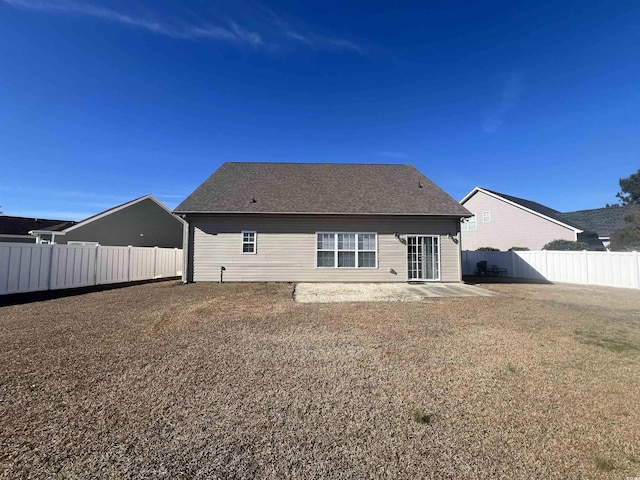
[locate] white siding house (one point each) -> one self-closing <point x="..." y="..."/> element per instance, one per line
<point x="321" y="223"/>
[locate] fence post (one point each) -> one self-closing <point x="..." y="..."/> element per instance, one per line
<point x="636" y="265"/>
<point x="585" y="260"/>
<point x="129" y="263"/>
<point x="95" y="266"/>
<point x="544" y="263"/>
<point x="175" y="261"/>
<point x="51" y="247"/>
<point x="155" y="261"/>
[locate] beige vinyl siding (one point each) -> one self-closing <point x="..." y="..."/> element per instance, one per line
<point x="510" y="226"/>
<point x="286" y="247"/>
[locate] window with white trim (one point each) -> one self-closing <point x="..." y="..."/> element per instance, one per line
<point x="470" y="223"/>
<point x="486" y="216"/>
<point x="346" y="250"/>
<point x="248" y="242"/>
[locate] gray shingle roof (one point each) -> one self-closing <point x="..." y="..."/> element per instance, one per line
<point x="531" y="205"/>
<point x="320" y="188"/>
<point x="23" y="225"/>
<point x="605" y="221"/>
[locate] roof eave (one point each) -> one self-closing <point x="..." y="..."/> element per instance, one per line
<point x="46" y="232"/>
<point x="244" y="212"/>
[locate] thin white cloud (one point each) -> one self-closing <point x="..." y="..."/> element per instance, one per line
<point x="398" y="155"/>
<point x="312" y="39"/>
<point x="232" y="33"/>
<point x="271" y="25"/>
<point x="509" y="98"/>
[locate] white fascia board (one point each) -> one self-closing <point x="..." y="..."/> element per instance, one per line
<point x="47" y="232"/>
<point x="469" y="195"/>
<point x="522" y="207"/>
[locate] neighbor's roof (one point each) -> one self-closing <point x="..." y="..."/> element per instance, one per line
<point x="23" y="225"/>
<point x="535" y="207"/>
<point x="320" y="188"/>
<point x="69" y="226"/>
<point x="605" y="221"/>
<point x="531" y="205"/>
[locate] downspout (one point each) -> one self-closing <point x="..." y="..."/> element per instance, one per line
<point x="458" y="240"/>
<point x="185" y="249"/>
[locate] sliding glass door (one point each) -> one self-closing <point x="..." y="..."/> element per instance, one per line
<point x="423" y="258"/>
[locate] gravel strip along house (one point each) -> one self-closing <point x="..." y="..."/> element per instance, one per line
<point x="299" y="222"/>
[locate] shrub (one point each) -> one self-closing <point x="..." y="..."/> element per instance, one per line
<point x="487" y="249"/>
<point x="565" y="245"/>
<point x="519" y="249"/>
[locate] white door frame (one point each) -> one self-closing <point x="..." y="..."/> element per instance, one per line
<point x="423" y="236"/>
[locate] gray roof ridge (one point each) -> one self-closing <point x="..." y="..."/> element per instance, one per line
<point x="320" y="163"/>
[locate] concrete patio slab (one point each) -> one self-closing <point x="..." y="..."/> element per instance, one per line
<point x="383" y="292"/>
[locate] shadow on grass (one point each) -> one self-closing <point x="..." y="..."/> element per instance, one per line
<point x="618" y="339"/>
<point x="30" y="297"/>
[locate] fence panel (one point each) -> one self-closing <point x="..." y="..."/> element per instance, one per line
<point x="166" y="262"/>
<point x="24" y="268"/>
<point x="614" y="269"/>
<point x="73" y="266"/>
<point x="142" y="263"/>
<point x="31" y="267"/>
<point x="113" y="265"/>
<point x="470" y="260"/>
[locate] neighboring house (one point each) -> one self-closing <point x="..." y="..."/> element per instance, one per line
<point x="321" y="223"/>
<point x="16" y="229"/>
<point x="143" y="222"/>
<point x="504" y="221"/>
<point x="603" y="221"/>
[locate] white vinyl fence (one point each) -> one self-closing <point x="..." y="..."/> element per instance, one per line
<point x="612" y="269"/>
<point x="27" y="267"/>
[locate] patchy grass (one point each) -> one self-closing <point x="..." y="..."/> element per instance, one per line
<point x="238" y="381"/>
<point x="419" y="416"/>
<point x="617" y="339"/>
<point x="604" y="464"/>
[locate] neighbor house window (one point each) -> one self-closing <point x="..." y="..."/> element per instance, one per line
<point x="486" y="216"/>
<point x="470" y="223"/>
<point x="346" y="250"/>
<point x="248" y="242"/>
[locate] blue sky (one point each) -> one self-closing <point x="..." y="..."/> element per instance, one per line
<point x="104" y="101"/>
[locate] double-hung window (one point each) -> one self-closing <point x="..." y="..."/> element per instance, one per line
<point x="470" y="223"/>
<point x="248" y="242"/>
<point x="346" y="250"/>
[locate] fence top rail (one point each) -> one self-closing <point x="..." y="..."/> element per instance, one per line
<point x="564" y="252"/>
<point x="64" y="245"/>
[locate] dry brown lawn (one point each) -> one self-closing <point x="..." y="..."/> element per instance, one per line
<point x="238" y="381"/>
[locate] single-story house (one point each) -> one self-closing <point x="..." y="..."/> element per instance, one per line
<point x="504" y="221"/>
<point x="321" y="223"/>
<point x="142" y="222"/>
<point x="16" y="229"/>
